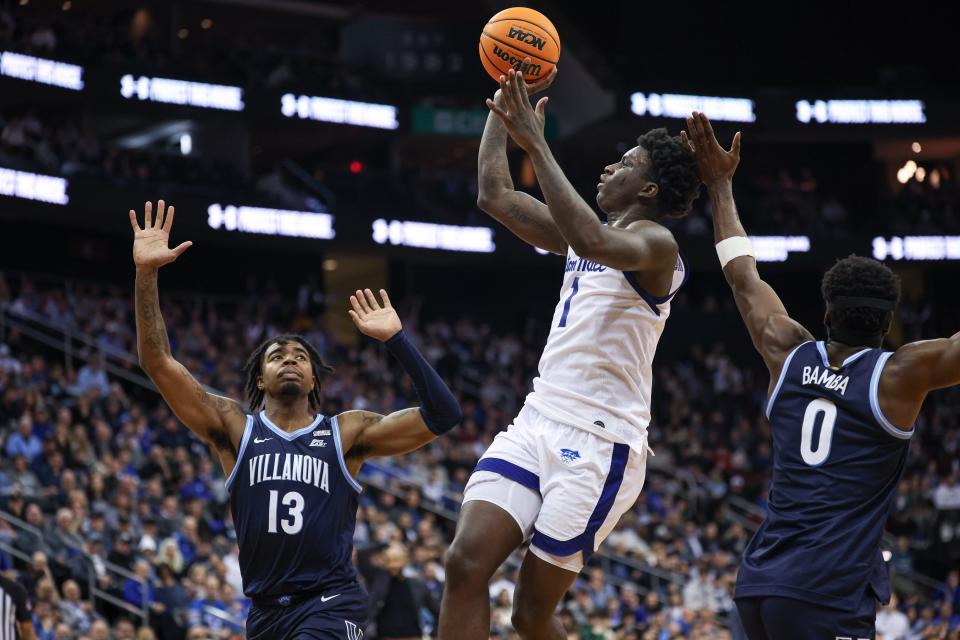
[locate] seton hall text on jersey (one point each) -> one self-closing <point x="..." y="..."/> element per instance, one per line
<point x="293" y="466"/>
<point x="824" y="378"/>
<point x="582" y="264"/>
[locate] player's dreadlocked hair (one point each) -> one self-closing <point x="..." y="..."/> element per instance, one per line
<point x="859" y="277"/>
<point x="254" y="366"/>
<point x="673" y="169"/>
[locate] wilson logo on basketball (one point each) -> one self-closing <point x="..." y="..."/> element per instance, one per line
<point x="514" y="61"/>
<point x="526" y="37"/>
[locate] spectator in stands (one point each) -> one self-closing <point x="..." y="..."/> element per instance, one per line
<point x="76" y="613"/>
<point x="947" y="494"/>
<point x="8" y="364"/>
<point x="172" y="599"/>
<point x="597" y="627"/>
<point x="139" y="591"/>
<point x="65" y="545"/>
<point x="124" y="630"/>
<point x="599" y="589"/>
<point x="122" y="552"/>
<point x="22" y="479"/>
<point x="200" y="633"/>
<point x="950" y="591"/>
<point x="187" y="539"/>
<point x="231" y="564"/>
<point x="24" y="442"/>
<point x="99" y="630"/>
<point x="209" y="610"/>
<point x="947" y="616"/>
<point x="32" y="544"/>
<point x="93" y="376"/>
<point x="398" y="602"/>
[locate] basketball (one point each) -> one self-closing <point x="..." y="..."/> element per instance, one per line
<point x="515" y="34"/>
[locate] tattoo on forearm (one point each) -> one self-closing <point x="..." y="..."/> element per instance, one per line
<point x="370" y="418"/>
<point x="223" y="406"/>
<point x="403" y="413"/>
<point x="151" y="332"/>
<point x="494" y="168"/>
<point x="516" y="212"/>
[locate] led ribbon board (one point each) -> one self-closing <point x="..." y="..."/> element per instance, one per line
<point x="33" y="186"/>
<point x="271" y="222"/>
<point x="917" y="248"/>
<point x="861" y="111"/>
<point x="182" y="92"/>
<point x="359" y="114"/>
<point x="674" y="105"/>
<point x="778" y="248"/>
<point x="426" y="235"/>
<point x="31" y="69"/>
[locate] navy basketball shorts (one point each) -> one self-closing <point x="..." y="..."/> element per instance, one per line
<point x="777" y="618"/>
<point x="338" y="615"/>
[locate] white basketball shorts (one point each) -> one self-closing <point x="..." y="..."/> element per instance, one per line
<point x="566" y="487"/>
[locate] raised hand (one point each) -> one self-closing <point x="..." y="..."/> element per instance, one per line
<point x="714" y="164"/>
<point x="372" y="319"/>
<point x="150" y="250"/>
<point x="532" y="87"/>
<point x="523" y="122"/>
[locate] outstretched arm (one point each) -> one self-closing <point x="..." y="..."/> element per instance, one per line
<point x="641" y="246"/>
<point x="367" y="434"/>
<point x="216" y="420"/>
<point x="773" y="332"/>
<point x="914" y="370"/>
<point x="528" y="218"/>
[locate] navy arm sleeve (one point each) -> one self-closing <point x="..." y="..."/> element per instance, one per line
<point x="441" y="411"/>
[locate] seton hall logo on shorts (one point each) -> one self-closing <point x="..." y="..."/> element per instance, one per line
<point x="569" y="455"/>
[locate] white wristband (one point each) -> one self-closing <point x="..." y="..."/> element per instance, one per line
<point x="733" y="247"/>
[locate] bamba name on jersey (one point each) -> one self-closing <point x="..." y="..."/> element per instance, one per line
<point x="826" y="379"/>
<point x="293" y="466"/>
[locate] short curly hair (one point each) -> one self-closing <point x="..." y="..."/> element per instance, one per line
<point x="859" y="277"/>
<point x="674" y="171"/>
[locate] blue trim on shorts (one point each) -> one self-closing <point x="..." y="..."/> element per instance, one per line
<point x="510" y="471"/>
<point x="585" y="541"/>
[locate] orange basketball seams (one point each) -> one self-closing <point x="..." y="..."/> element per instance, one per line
<point x="515" y="34"/>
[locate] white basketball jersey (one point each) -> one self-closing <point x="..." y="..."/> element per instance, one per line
<point x="596" y="369"/>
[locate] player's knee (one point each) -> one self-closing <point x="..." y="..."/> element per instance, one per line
<point x="463" y="565"/>
<point x="527" y="620"/>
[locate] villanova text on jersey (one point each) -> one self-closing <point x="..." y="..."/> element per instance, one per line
<point x="837" y="463"/>
<point x="294" y="507"/>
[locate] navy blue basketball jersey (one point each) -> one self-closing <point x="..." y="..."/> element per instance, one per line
<point x="837" y="461"/>
<point x="294" y="508"/>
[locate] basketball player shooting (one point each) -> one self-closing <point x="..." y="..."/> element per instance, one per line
<point x="842" y="412"/>
<point x="291" y="472"/>
<point x="574" y="458"/>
